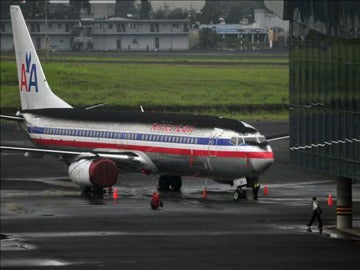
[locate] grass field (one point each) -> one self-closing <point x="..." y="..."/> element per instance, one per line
<point x="158" y="81"/>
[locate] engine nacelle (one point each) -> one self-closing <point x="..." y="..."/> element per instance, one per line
<point x="100" y="172"/>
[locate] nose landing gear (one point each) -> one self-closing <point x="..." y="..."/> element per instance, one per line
<point x="246" y="188"/>
<point x="239" y="194"/>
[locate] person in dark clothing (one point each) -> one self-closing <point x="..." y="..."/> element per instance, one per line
<point x="256" y="190"/>
<point x="316" y="213"/>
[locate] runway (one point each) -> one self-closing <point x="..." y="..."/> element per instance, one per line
<point x="45" y="223"/>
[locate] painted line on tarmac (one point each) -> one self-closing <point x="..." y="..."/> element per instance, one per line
<point x="62" y="181"/>
<point x="301" y="183"/>
<point x="327" y="232"/>
<point x="21" y="262"/>
<point x="38" y="235"/>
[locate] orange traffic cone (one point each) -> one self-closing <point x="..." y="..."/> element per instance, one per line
<point x="204" y="193"/>
<point x="115" y="194"/>
<point x="266" y="190"/>
<point x="330" y="200"/>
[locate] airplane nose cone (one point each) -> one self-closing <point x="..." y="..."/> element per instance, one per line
<point x="262" y="162"/>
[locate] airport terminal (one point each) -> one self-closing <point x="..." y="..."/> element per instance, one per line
<point x="324" y="93"/>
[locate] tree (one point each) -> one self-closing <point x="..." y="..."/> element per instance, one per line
<point x="122" y="8"/>
<point x="232" y="11"/>
<point x="167" y="13"/>
<point x="235" y="15"/>
<point x="211" y="12"/>
<point x="77" y="6"/>
<point x="59" y="11"/>
<point x="207" y="38"/>
<point x="5" y="8"/>
<point x="30" y="9"/>
<point x="145" y="9"/>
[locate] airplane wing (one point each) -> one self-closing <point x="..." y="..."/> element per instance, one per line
<point x="12" y="118"/>
<point x="277" y="138"/>
<point x="125" y="160"/>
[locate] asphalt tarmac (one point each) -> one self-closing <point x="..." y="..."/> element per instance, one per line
<point x="46" y="224"/>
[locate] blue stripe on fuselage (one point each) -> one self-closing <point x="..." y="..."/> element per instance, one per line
<point x="169" y="138"/>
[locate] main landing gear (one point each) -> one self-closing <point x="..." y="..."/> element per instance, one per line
<point x="92" y="192"/>
<point x="169" y="183"/>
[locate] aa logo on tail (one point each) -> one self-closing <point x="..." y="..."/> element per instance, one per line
<point x="28" y="75"/>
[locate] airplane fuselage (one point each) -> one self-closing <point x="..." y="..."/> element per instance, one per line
<point x="173" y="146"/>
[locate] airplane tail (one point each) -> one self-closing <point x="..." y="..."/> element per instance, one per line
<point x="35" y="92"/>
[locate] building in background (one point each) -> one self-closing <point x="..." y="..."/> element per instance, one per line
<point x="113" y="34"/>
<point x="101" y="31"/>
<point x="268" y="30"/>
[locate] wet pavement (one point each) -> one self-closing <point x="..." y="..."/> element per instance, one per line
<point x="45" y="223"/>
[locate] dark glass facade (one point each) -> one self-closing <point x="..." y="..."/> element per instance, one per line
<point x="325" y="87"/>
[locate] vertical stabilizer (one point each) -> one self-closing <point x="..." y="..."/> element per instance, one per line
<point x="35" y="92"/>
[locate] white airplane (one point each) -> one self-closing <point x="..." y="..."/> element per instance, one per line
<point x="99" y="145"/>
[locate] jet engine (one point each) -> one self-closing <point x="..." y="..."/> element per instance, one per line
<point x="100" y="172"/>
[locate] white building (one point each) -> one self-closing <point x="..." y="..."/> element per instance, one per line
<point x="104" y="35"/>
<point x="266" y="29"/>
<point x="266" y="19"/>
<point x="59" y="32"/>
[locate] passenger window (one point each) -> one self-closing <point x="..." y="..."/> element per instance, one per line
<point x="261" y="139"/>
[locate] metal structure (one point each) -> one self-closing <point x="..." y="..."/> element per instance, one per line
<point x="325" y="86"/>
<point x="325" y="92"/>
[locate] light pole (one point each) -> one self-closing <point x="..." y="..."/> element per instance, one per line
<point x="46" y="34"/>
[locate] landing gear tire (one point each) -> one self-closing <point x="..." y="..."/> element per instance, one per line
<point x="92" y="192"/>
<point x="169" y="183"/>
<point x="236" y="195"/>
<point x="175" y="183"/>
<point x="164" y="183"/>
<point x="86" y="191"/>
<point x="239" y="194"/>
<point x="98" y="193"/>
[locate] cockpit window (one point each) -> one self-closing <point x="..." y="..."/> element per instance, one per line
<point x="234" y="140"/>
<point x="237" y="140"/>
<point x="250" y="140"/>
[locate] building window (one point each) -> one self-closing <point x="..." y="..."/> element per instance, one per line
<point x="157" y="43"/>
<point x="60" y="25"/>
<point x="3" y="27"/>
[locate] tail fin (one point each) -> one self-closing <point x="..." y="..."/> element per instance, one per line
<point x="35" y="92"/>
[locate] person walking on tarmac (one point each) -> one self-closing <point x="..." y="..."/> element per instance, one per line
<point x="256" y="190"/>
<point x="316" y="213"/>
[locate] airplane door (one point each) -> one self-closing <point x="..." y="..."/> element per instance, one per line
<point x="213" y="142"/>
<point x="212" y="147"/>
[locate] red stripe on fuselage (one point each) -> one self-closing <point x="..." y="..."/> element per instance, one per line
<point x="153" y="149"/>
